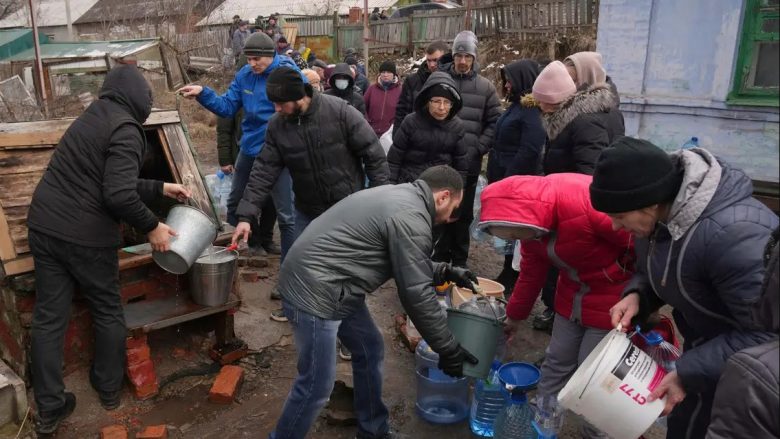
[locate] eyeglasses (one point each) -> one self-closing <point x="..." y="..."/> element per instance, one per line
<point x="441" y="102"/>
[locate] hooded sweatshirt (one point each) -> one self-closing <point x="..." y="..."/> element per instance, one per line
<point x="91" y="182"/>
<point x="352" y="97"/>
<point x="520" y="136"/>
<point x="595" y="262"/>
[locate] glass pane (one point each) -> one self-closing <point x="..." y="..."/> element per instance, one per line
<point x="767" y="73"/>
<point x="771" y="25"/>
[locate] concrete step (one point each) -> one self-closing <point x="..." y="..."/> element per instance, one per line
<point x="13" y="396"/>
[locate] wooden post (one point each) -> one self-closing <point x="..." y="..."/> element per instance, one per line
<point x="335" y="46"/>
<point x="411" y="35"/>
<point x="39" y="61"/>
<point x="366" y="33"/>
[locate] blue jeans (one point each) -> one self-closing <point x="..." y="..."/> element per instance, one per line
<point x="315" y="341"/>
<point x="282" y="195"/>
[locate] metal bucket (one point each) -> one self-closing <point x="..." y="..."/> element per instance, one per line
<point x="211" y="277"/>
<point x="196" y="231"/>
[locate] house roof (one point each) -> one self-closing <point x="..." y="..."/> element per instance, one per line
<point x="248" y="10"/>
<point x="86" y="49"/>
<point x="50" y="13"/>
<point x="117" y="10"/>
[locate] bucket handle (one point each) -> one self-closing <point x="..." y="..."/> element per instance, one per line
<point x="478" y="291"/>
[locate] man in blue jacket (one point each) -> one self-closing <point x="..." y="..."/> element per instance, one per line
<point x="247" y="91"/>
<point x="700" y="237"/>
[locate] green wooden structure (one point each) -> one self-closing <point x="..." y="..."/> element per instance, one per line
<point x="15" y="41"/>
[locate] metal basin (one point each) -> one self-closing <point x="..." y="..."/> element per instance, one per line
<point x="196" y="231"/>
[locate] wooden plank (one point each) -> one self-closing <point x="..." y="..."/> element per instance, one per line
<point x="7" y="250"/>
<point x="49" y="132"/>
<point x="168" y="157"/>
<point x="188" y="168"/>
<point x="19" y="265"/>
<point x="24" y="161"/>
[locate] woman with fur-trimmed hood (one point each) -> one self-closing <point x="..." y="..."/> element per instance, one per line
<point x="579" y="123"/>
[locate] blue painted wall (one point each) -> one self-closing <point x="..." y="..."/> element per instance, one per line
<point x="673" y="62"/>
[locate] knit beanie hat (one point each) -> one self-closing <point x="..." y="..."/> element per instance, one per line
<point x="554" y="85"/>
<point x="589" y="68"/>
<point x="633" y="174"/>
<point x="259" y="44"/>
<point x="351" y="60"/>
<point x="284" y="85"/>
<point x="388" y="66"/>
<point x="465" y="42"/>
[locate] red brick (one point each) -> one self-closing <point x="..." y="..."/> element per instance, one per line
<point x="226" y="384"/>
<point x="135" y="342"/>
<point x="153" y="432"/>
<point x="143" y="379"/>
<point x="138" y="355"/>
<point x="113" y="432"/>
<point x="409" y="340"/>
<point x="250" y="276"/>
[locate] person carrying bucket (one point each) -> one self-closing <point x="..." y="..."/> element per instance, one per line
<point x="552" y="217"/>
<point x="699" y="240"/>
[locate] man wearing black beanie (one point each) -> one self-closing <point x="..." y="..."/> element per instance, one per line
<point x="700" y="238"/>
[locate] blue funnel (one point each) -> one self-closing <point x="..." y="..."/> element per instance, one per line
<point x="518" y="378"/>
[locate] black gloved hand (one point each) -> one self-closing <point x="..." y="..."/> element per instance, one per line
<point x="462" y="277"/>
<point x="452" y="363"/>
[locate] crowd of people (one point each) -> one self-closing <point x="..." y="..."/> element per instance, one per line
<point x="610" y="227"/>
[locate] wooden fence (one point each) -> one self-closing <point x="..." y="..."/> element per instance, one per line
<point x="521" y="18"/>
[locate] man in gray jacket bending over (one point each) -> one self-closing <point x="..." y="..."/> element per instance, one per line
<point x="346" y="253"/>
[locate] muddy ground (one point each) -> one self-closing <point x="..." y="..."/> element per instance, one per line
<point x="186" y="374"/>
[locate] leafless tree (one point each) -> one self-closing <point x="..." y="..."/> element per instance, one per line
<point x="8" y="7"/>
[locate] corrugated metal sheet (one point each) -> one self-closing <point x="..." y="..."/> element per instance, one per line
<point x="118" y="10"/>
<point x="251" y="9"/>
<point x="95" y="49"/>
<point x="49" y="13"/>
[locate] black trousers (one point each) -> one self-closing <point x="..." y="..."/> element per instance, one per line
<point x="263" y="233"/>
<point x="60" y="267"/>
<point x="451" y="241"/>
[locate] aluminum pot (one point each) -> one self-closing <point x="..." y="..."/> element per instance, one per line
<point x="196" y="231"/>
<point x="212" y="275"/>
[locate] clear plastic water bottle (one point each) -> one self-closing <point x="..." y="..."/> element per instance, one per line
<point x="224" y="185"/>
<point x="515" y="421"/>
<point x="692" y="143"/>
<point x="489" y="399"/>
<point x="661" y="351"/>
<point x="548" y="417"/>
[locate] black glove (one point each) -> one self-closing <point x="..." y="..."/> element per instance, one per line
<point x="452" y="363"/>
<point x="462" y="277"/>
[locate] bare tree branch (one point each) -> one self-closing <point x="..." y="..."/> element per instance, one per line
<point x="8" y="7"/>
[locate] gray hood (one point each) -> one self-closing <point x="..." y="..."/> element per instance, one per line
<point x="701" y="178"/>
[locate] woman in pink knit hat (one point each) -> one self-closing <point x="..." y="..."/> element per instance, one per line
<point x="579" y="123"/>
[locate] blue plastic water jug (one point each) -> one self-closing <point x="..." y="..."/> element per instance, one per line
<point x="441" y="399"/>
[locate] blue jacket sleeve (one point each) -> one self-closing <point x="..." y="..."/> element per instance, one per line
<point x="732" y="256"/>
<point x="226" y="105"/>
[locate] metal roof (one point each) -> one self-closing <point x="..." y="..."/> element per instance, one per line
<point x="249" y="10"/>
<point x="49" y="13"/>
<point x="118" y="10"/>
<point x="87" y="49"/>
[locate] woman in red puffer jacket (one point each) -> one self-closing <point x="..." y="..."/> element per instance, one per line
<point x="553" y="218"/>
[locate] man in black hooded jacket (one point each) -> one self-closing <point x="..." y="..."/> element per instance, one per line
<point x="90" y="185"/>
<point x="342" y="84"/>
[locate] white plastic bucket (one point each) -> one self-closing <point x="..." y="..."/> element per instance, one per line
<point x="610" y="389"/>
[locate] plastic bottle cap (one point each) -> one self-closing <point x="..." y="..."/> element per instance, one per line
<point x="653" y="338"/>
<point x="695" y="139"/>
<point x="220" y="174"/>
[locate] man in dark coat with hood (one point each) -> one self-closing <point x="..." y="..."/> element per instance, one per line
<point x="700" y="239"/>
<point x="342" y="84"/>
<point x="90" y="185"/>
<point x="753" y="373"/>
<point x="481" y="109"/>
<point x="434" y="53"/>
